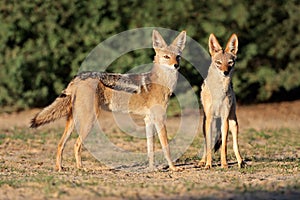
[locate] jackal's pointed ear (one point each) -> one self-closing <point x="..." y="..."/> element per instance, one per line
<point x="213" y="45"/>
<point x="180" y="40"/>
<point x="232" y="44"/>
<point x="158" y="41"/>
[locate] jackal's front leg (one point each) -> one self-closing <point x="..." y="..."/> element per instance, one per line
<point x="224" y="130"/>
<point x="150" y="142"/>
<point x="208" y="140"/>
<point x="163" y="138"/>
<point x="234" y="128"/>
<point x="203" y="159"/>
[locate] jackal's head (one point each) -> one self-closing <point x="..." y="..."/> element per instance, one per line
<point x="168" y="55"/>
<point x="223" y="60"/>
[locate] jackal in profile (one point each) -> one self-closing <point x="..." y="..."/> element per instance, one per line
<point x="145" y="94"/>
<point x="218" y="100"/>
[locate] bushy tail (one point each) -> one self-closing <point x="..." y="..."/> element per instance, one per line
<point x="59" y="108"/>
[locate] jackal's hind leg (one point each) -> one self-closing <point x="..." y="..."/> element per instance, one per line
<point x="83" y="133"/>
<point x="61" y="145"/>
<point x="85" y="122"/>
<point x="77" y="152"/>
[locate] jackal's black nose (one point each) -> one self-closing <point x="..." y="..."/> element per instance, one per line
<point x="226" y="73"/>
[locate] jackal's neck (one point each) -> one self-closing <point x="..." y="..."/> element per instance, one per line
<point x="164" y="76"/>
<point x="217" y="82"/>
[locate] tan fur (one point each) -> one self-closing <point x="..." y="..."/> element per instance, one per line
<point x="87" y="94"/>
<point x="218" y="100"/>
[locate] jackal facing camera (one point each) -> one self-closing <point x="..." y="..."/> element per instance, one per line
<point x="218" y="100"/>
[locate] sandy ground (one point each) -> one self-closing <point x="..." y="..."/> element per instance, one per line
<point x="261" y="116"/>
<point x="26" y="164"/>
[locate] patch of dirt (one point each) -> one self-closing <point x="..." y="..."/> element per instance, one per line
<point x="260" y="116"/>
<point x="270" y="116"/>
<point x="269" y="142"/>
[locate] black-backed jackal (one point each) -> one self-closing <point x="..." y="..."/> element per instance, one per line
<point x="218" y="100"/>
<point x="145" y="94"/>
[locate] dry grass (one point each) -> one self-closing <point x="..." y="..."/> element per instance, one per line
<point x="272" y="153"/>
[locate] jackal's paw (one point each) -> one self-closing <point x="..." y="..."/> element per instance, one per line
<point x="79" y="165"/>
<point x="175" y="169"/>
<point x="201" y="163"/>
<point x="224" y="166"/>
<point x="59" y="168"/>
<point x="242" y="164"/>
<point x="207" y="167"/>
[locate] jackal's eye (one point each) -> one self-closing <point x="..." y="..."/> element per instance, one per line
<point x="166" y="57"/>
<point x="218" y="62"/>
<point x="231" y="62"/>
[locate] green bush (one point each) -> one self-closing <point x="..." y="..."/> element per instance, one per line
<point x="43" y="43"/>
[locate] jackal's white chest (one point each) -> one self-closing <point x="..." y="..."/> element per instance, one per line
<point x="221" y="95"/>
<point x="222" y="106"/>
<point x="168" y="78"/>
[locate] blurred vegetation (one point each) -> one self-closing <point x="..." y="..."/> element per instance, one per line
<point x="43" y="43"/>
